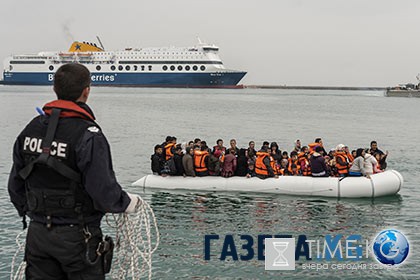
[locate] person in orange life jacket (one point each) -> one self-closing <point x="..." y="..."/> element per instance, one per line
<point x="66" y="185"/>
<point x="263" y="167"/>
<point x="293" y="160"/>
<point x="251" y="153"/>
<point x="317" y="142"/>
<point x="317" y="162"/>
<point x="219" y="147"/>
<point x="201" y="160"/>
<point x="157" y="161"/>
<point x="294" y="170"/>
<point x="303" y="160"/>
<point x="170" y="148"/>
<point x="341" y="161"/>
<point x="233" y="147"/>
<point x="167" y="140"/>
<point x="230" y="164"/>
<point x="283" y="167"/>
<point x="178" y="161"/>
<point x="188" y="162"/>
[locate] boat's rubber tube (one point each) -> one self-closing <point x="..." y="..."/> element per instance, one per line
<point x="387" y="183"/>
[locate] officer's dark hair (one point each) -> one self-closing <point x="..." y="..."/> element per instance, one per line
<point x="157" y="147"/>
<point x="168" y="138"/>
<point x="70" y="80"/>
<point x="373" y="142"/>
<point x="317" y="140"/>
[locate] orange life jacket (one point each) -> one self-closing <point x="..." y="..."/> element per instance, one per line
<point x="260" y="167"/>
<point x="341" y="169"/>
<point x="274" y="166"/>
<point x="295" y="162"/>
<point x="199" y="161"/>
<point x="168" y="150"/>
<point x="312" y="147"/>
<point x="304" y="164"/>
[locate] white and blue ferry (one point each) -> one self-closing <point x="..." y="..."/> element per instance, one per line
<point x="198" y="66"/>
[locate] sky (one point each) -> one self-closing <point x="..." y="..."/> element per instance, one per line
<point x="278" y="42"/>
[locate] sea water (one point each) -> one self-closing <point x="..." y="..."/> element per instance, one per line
<point x="135" y="119"/>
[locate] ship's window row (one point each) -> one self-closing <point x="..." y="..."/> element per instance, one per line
<point x="180" y="68"/>
<point x="150" y="67"/>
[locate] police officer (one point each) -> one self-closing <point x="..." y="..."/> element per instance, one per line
<point x="62" y="178"/>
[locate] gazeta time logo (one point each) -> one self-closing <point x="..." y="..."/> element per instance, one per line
<point x="391" y="247"/>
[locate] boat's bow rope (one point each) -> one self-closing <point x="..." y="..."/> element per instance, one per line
<point x="136" y="239"/>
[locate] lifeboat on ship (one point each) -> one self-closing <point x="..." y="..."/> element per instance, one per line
<point x="386" y="183"/>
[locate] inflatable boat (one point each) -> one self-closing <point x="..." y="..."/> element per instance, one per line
<point x="382" y="184"/>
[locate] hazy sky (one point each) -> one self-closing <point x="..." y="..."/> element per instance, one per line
<point x="292" y="42"/>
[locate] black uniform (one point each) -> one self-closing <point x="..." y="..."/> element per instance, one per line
<point x="66" y="194"/>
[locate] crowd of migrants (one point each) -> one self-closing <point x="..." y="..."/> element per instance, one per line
<point x="197" y="159"/>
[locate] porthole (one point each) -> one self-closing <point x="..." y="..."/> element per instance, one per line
<point x="187" y="68"/>
<point x="202" y="67"/>
<point x="120" y="68"/>
<point x="164" y="67"/>
<point x="98" y="68"/>
<point x="195" y="68"/>
<point x="51" y="68"/>
<point x="172" y="67"/>
<point x="179" y="68"/>
<point x="113" y="67"/>
<point x="142" y="68"/>
<point x="150" y="67"/>
<point x="135" y="67"/>
<point x="127" y="67"/>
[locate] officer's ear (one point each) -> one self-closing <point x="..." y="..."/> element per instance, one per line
<point x="85" y="94"/>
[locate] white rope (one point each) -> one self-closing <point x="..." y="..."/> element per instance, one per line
<point x="134" y="245"/>
<point x="20" y="271"/>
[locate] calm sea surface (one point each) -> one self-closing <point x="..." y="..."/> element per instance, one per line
<point x="134" y="120"/>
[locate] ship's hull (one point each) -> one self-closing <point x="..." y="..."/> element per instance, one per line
<point x="402" y="93"/>
<point x="207" y="79"/>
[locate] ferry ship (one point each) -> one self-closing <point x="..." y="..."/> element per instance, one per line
<point x="198" y="66"/>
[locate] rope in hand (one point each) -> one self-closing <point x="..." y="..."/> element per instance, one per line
<point x="134" y="245"/>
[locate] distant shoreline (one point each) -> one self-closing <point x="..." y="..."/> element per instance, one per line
<point x="241" y="86"/>
<point x="316" y="87"/>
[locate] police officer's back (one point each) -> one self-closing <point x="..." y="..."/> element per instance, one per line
<point x="62" y="178"/>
